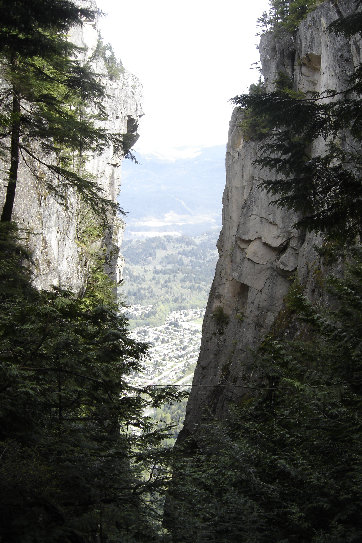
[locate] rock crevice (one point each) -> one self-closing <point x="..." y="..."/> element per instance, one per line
<point x="54" y="230"/>
<point x="260" y="251"/>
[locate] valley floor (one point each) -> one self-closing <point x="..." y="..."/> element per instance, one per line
<point x="174" y="347"/>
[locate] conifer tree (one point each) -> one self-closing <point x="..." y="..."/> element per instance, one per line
<point x="285" y="465"/>
<point x="324" y="189"/>
<point x="72" y="468"/>
<point x="285" y="15"/>
<point x="44" y="95"/>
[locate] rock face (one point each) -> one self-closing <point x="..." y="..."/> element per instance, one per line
<point x="259" y="250"/>
<point x="55" y="232"/>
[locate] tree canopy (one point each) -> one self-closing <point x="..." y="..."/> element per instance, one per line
<point x="72" y="469"/>
<point x="285" y="464"/>
<point x="285" y="15"/>
<point x="50" y="100"/>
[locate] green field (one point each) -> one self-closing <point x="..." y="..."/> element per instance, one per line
<point x="169" y="274"/>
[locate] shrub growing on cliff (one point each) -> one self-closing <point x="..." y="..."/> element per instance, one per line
<point x="285" y="464"/>
<point x="285" y="15"/>
<point x="71" y="470"/>
<point x="324" y="189"/>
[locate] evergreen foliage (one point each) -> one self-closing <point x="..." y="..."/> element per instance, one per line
<point x="285" y="464"/>
<point x="80" y="461"/>
<point x="47" y="97"/>
<point x="71" y="470"/>
<point x="350" y="25"/>
<point x="78" y="454"/>
<point x="285" y="15"/>
<point x="104" y="51"/>
<point x="324" y="189"/>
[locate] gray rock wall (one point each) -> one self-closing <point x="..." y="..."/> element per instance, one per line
<point x="259" y="250"/>
<point x="56" y="232"/>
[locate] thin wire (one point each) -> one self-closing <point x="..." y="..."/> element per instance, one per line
<point x="212" y="386"/>
<point x="232" y="385"/>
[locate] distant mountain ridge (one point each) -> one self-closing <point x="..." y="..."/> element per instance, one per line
<point x="173" y="197"/>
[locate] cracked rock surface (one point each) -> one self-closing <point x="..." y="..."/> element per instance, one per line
<point x="260" y="251"/>
<point x="53" y="231"/>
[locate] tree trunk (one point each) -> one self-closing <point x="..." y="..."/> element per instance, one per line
<point x="14" y="160"/>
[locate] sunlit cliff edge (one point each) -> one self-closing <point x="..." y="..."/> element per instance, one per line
<point x="260" y="252"/>
<point x="53" y="228"/>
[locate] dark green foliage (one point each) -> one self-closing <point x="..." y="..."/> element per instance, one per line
<point x="78" y="454"/>
<point x="71" y="470"/>
<point x="221" y="319"/>
<point x="106" y="53"/>
<point x="24" y="25"/>
<point x="285" y="15"/>
<point x="324" y="189"/>
<point x="350" y="25"/>
<point x="255" y="125"/>
<point x="47" y="98"/>
<point x="285" y="465"/>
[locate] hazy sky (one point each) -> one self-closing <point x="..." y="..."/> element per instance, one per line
<point x="191" y="57"/>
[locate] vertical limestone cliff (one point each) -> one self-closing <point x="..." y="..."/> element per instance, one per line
<point x="259" y="249"/>
<point x="59" y="233"/>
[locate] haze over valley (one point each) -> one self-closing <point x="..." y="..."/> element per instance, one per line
<point x="170" y="256"/>
<point x="173" y="197"/>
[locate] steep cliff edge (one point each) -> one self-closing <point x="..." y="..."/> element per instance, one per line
<point x="62" y="235"/>
<point x="259" y="249"/>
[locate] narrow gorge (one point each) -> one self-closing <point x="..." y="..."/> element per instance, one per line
<point x="270" y="448"/>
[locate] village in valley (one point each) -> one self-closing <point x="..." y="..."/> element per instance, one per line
<point x="165" y="287"/>
<point x="174" y="346"/>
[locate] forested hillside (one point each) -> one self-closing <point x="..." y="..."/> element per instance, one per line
<point x="167" y="274"/>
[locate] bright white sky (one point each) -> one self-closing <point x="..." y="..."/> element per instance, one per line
<point x="191" y="57"/>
